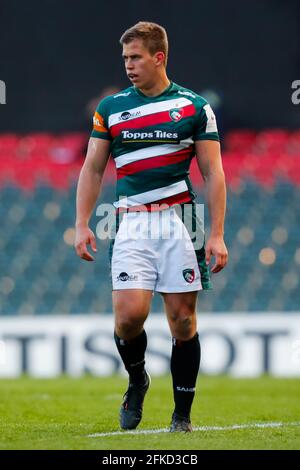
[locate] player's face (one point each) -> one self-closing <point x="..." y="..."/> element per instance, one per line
<point x="140" y="65"/>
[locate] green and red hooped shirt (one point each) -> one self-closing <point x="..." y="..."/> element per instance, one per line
<point x="152" y="143"/>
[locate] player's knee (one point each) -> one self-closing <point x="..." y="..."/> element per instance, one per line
<point x="183" y="324"/>
<point x="181" y="313"/>
<point x="184" y="327"/>
<point x="128" y="327"/>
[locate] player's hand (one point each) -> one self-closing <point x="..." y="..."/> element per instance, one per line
<point x="216" y="247"/>
<point x="83" y="237"/>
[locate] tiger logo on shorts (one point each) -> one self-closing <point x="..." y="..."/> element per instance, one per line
<point x="189" y="275"/>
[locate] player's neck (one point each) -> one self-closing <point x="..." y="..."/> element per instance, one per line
<point x="157" y="87"/>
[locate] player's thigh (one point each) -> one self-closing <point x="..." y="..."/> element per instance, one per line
<point x="132" y="305"/>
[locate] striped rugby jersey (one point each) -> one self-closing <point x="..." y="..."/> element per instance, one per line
<point x="152" y="143"/>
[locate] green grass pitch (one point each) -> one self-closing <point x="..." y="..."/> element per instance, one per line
<point x="62" y="413"/>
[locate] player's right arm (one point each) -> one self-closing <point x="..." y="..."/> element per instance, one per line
<point x="88" y="190"/>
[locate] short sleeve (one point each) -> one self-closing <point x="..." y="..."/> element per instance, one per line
<point x="206" y="124"/>
<point x="100" y="126"/>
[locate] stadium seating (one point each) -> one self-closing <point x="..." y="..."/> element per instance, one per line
<point x="40" y="273"/>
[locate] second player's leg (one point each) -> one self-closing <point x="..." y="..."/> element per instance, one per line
<point x="185" y="359"/>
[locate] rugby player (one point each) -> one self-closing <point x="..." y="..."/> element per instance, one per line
<point x="153" y="129"/>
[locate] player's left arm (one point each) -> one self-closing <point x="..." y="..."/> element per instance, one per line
<point x="209" y="161"/>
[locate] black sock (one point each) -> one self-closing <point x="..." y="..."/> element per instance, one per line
<point x="133" y="356"/>
<point x="185" y="362"/>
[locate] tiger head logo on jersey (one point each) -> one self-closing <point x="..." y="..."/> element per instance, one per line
<point x="176" y="114"/>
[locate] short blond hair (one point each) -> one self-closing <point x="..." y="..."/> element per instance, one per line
<point x="153" y="35"/>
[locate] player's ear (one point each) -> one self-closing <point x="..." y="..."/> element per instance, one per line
<point x="159" y="58"/>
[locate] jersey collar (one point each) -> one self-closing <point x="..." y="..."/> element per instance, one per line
<point x="151" y="98"/>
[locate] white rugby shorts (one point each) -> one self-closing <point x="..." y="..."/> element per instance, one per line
<point x="155" y="251"/>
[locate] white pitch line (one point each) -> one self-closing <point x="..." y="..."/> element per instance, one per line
<point x="197" y="428"/>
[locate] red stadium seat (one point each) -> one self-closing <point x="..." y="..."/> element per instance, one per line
<point x="293" y="144"/>
<point x="8" y="146"/>
<point x="36" y="145"/>
<point x="8" y="141"/>
<point x="274" y="140"/>
<point x="68" y="148"/>
<point x="239" y="140"/>
<point x="233" y="163"/>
